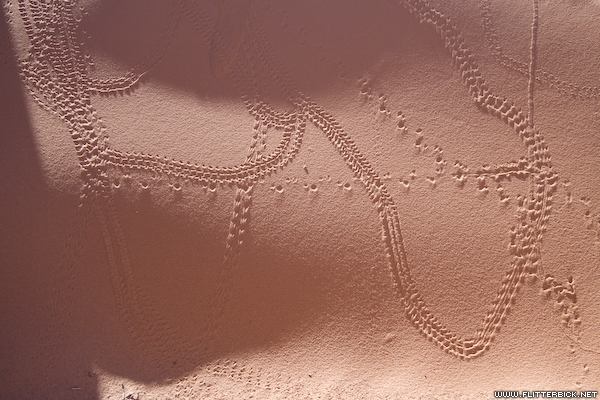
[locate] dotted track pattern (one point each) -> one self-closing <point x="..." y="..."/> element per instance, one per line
<point x="56" y="73"/>
<point x="536" y="166"/>
<point x="542" y="76"/>
<point x="133" y="76"/>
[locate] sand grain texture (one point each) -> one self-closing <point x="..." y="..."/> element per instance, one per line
<point x="318" y="199"/>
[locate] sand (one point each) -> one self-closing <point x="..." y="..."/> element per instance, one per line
<point x="298" y="200"/>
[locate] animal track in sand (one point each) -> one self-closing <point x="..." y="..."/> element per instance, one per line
<point x="57" y="74"/>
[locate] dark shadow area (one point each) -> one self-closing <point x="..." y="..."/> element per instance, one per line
<point x="177" y="259"/>
<point x="33" y="225"/>
<point x="315" y="42"/>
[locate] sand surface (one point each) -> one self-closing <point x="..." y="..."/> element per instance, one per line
<point x="319" y="199"/>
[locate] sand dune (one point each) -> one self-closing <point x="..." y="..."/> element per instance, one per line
<point x="319" y="199"/>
